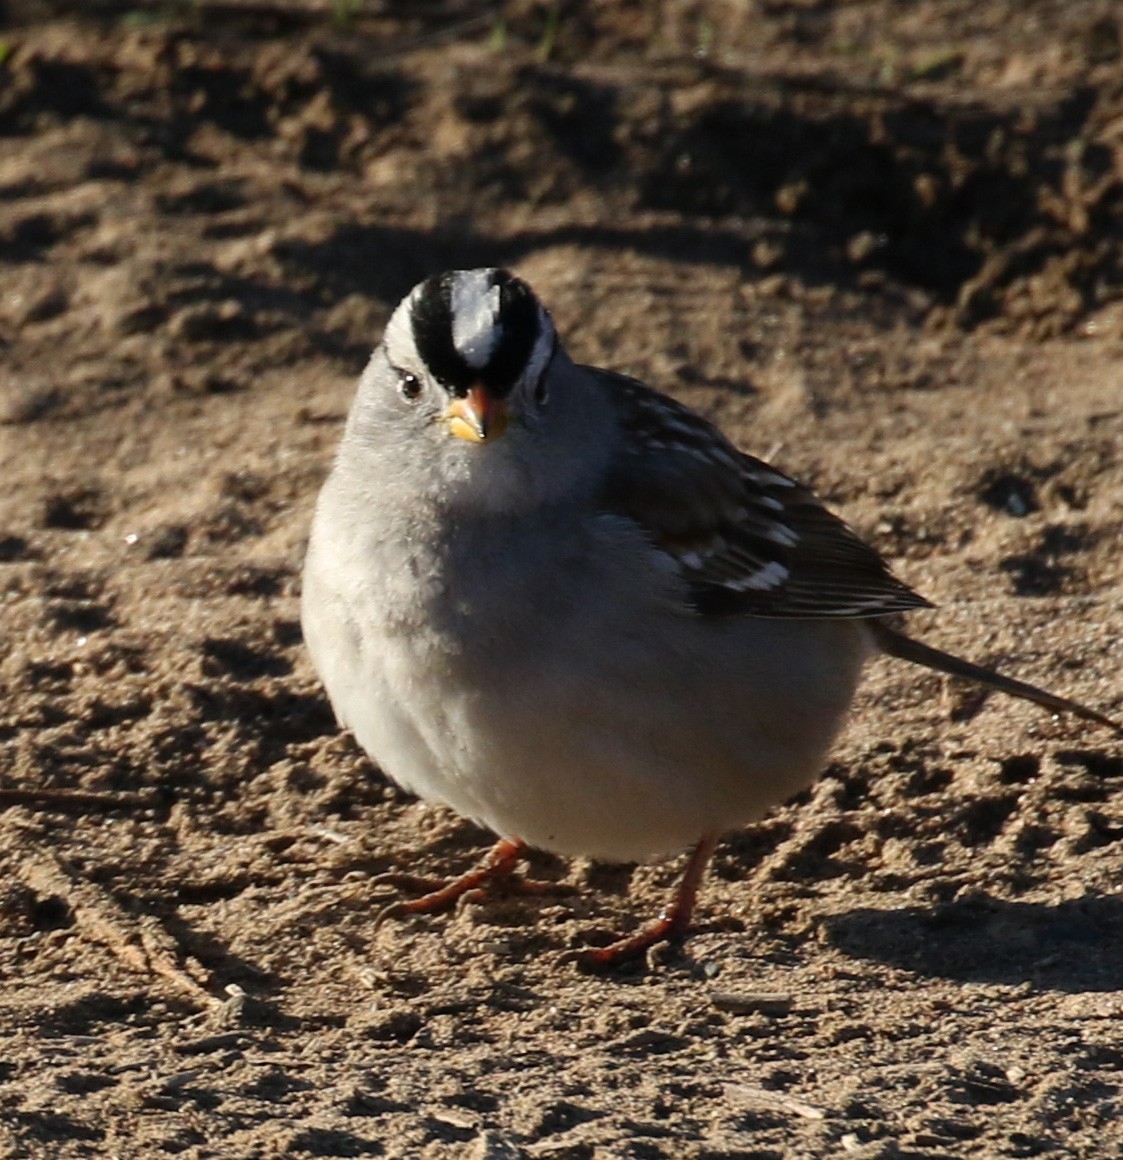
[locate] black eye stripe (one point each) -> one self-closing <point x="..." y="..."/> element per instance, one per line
<point x="518" y="314"/>
<point x="517" y="325"/>
<point x="431" y="319"/>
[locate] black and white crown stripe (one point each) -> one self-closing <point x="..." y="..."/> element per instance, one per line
<point x="746" y="537"/>
<point x="471" y="327"/>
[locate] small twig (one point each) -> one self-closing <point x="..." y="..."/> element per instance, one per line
<point x="755" y="1099"/>
<point x="748" y="1002"/>
<point x="314" y="12"/>
<point x="75" y="799"/>
<point x="285" y="9"/>
<point x="141" y="944"/>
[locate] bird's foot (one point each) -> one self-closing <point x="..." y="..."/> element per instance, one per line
<point x="672" y="926"/>
<point x="498" y="865"/>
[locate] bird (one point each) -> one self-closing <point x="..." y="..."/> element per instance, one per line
<point x="565" y="605"/>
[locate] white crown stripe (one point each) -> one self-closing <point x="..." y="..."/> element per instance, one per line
<point x="475" y="318"/>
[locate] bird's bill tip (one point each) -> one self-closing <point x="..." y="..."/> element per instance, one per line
<point x="478" y="416"/>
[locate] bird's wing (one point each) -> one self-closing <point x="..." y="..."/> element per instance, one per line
<point x="748" y="539"/>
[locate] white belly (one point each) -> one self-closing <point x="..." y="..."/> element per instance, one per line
<point x="592" y="737"/>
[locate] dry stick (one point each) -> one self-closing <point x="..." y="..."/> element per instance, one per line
<point x="143" y="946"/>
<point x="291" y="9"/>
<point x="758" y="1099"/>
<point x="750" y="1002"/>
<point x="311" y="12"/>
<point x="290" y="12"/>
<point x="75" y="799"/>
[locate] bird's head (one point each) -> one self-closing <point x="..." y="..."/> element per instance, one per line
<point x="470" y="350"/>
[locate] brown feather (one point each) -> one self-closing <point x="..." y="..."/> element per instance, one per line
<point x="748" y="539"/>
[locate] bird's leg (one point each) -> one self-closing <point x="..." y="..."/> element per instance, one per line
<point x="671" y="926"/>
<point x="499" y="862"/>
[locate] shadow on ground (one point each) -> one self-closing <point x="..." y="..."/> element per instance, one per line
<point x="1070" y="946"/>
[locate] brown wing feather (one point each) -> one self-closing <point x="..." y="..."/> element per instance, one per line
<point x="748" y="539"/>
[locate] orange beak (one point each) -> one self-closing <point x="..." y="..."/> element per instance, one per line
<point x="477" y="417"/>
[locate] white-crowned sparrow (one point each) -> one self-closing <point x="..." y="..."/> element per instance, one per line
<point x="566" y="606"/>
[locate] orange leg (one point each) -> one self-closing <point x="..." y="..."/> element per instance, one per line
<point x="499" y="861"/>
<point x="671" y="926"/>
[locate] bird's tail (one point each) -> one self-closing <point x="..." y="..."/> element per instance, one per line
<point x="896" y="644"/>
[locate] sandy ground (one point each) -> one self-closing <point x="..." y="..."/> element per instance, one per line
<point x="881" y="244"/>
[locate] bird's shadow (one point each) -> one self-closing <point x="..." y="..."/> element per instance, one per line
<point x="1072" y="946"/>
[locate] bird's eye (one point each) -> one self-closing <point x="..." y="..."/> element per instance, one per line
<point x="409" y="385"/>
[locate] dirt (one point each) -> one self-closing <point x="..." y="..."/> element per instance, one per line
<point x="881" y="244"/>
